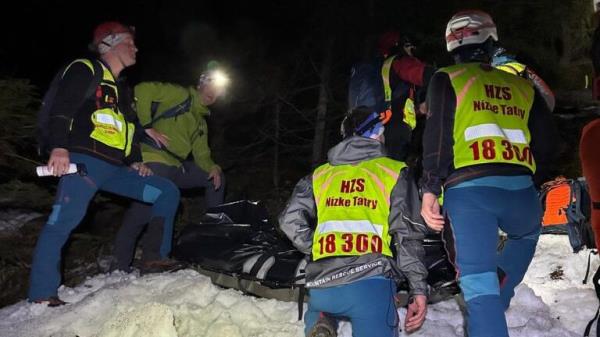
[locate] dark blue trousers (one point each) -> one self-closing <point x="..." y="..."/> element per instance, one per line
<point x="73" y="196"/>
<point x="476" y="212"/>
<point x="368" y="304"/>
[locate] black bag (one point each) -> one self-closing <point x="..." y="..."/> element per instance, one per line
<point x="237" y="246"/>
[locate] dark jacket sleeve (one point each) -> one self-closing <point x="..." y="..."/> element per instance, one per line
<point x="421" y="94"/>
<point x="298" y="219"/>
<point x="69" y="97"/>
<point x="438" y="140"/>
<point x="544" y="138"/>
<point x="408" y="231"/>
<point x="127" y="108"/>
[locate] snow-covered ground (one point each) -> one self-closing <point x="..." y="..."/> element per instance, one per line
<point x="13" y="219"/>
<point x="551" y="302"/>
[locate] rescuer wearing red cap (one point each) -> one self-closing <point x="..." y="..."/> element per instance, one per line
<point x="86" y="126"/>
<point x="405" y="79"/>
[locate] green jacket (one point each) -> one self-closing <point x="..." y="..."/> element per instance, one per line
<point x="187" y="132"/>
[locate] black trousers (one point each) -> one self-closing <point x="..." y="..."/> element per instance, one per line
<point x="189" y="175"/>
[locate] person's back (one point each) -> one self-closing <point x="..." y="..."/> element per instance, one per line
<point x="406" y="79"/>
<point x="486" y="133"/>
<point x="346" y="216"/>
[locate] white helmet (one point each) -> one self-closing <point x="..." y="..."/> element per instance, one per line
<point x="469" y="27"/>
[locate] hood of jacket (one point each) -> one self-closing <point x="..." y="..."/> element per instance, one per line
<point x="355" y="149"/>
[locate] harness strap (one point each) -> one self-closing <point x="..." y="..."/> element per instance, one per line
<point x="171" y="112"/>
<point x="587" y="270"/>
<point x="597" y="289"/>
<point x="301" y="294"/>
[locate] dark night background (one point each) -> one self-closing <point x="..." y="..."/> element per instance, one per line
<point x="289" y="65"/>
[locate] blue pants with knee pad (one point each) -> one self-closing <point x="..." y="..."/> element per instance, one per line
<point x="476" y="210"/>
<point x="73" y="196"/>
<point x="368" y="304"/>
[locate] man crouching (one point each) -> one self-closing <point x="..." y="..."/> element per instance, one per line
<point x="357" y="216"/>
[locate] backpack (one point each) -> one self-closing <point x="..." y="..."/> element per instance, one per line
<point x="366" y="86"/>
<point x="566" y="210"/>
<point x="43" y="115"/>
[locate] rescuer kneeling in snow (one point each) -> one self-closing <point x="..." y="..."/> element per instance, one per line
<point x="348" y="216"/>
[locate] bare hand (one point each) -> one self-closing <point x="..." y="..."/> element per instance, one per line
<point x="142" y="169"/>
<point x="430" y="211"/>
<point x="159" y="138"/>
<point x="215" y="175"/>
<point x="423" y="109"/>
<point x="59" y="161"/>
<point x="415" y="313"/>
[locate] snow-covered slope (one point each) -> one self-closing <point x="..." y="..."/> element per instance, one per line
<point x="552" y="302"/>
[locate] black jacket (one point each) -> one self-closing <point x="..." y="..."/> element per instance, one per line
<point x="70" y="123"/>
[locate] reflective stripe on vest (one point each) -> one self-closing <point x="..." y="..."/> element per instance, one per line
<point x="110" y="126"/>
<point x="353" y="206"/>
<point x="409" y="117"/>
<point x="492" y="111"/>
<point x="385" y="74"/>
<point x="513" y="67"/>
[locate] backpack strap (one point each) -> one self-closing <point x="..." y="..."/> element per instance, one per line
<point x="98" y="76"/>
<point x="597" y="289"/>
<point x="169" y="113"/>
<point x="301" y="294"/>
<point x="587" y="269"/>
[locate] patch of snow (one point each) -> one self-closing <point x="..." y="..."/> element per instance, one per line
<point x="186" y="303"/>
<point x="13" y="219"/>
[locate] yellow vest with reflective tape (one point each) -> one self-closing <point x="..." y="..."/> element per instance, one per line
<point x="492" y="112"/>
<point x="410" y="117"/>
<point x="110" y="126"/>
<point x="353" y="206"/>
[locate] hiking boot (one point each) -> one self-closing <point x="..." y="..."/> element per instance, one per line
<point x="52" y="301"/>
<point x="161" y="266"/>
<point x="324" y="327"/>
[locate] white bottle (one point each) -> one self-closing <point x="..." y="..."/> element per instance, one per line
<point x="43" y="171"/>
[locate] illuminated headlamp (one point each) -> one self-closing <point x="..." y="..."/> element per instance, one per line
<point x="216" y="77"/>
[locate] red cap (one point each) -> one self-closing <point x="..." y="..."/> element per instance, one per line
<point x="110" y="28"/>
<point x="387" y="41"/>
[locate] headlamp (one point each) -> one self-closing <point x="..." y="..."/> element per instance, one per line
<point x="217" y="78"/>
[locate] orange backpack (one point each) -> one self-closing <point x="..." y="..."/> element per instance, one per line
<point x="566" y="206"/>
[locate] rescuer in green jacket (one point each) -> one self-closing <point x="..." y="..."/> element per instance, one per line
<point x="174" y="117"/>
